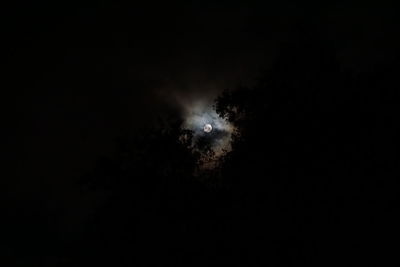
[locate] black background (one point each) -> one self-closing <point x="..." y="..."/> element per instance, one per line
<point x="79" y="75"/>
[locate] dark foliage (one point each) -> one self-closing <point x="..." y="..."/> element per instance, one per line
<point x="314" y="168"/>
<point x="312" y="179"/>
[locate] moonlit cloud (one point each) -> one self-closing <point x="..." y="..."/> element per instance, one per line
<point x="197" y="114"/>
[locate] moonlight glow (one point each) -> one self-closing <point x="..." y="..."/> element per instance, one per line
<point x="207" y="128"/>
<point x="201" y="118"/>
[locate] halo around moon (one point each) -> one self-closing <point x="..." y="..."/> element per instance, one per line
<point x="207" y="128"/>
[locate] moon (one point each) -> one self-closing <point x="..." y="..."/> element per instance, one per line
<point x="207" y="128"/>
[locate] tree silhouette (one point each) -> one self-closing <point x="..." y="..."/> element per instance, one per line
<point x="148" y="197"/>
<point x="313" y="167"/>
<point x="310" y="151"/>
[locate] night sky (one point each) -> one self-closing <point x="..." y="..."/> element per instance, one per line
<point x="80" y="75"/>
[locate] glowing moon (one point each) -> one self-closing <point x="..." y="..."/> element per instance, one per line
<point x="207" y="128"/>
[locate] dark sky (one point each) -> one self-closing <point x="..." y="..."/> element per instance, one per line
<point x="81" y="74"/>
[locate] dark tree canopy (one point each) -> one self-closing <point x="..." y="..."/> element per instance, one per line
<point x="312" y="168"/>
<point x="316" y="148"/>
<point x="312" y="178"/>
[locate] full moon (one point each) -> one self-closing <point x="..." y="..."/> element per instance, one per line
<point x="207" y="128"/>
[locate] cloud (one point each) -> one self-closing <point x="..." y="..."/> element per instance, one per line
<point x="200" y="112"/>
